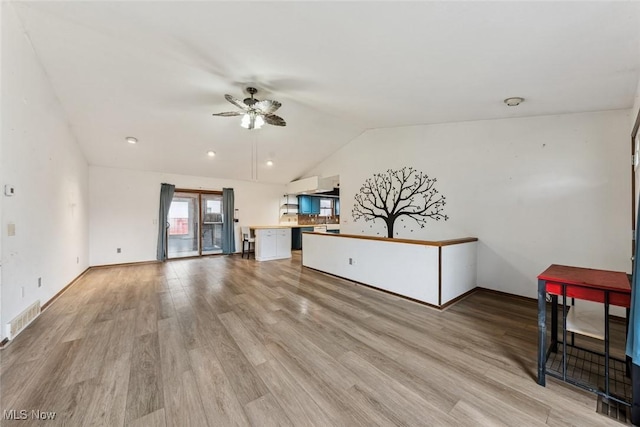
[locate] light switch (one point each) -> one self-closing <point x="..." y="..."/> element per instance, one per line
<point x="11" y="229"/>
<point x="9" y="190"/>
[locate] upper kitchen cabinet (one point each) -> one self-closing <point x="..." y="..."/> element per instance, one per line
<point x="318" y="205"/>
<point x="304" y="204"/>
<point x="315" y="205"/>
<point x="308" y="205"/>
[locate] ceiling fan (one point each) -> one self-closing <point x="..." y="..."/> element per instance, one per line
<point x="254" y="112"/>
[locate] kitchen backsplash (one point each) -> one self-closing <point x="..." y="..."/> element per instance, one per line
<point x="317" y="219"/>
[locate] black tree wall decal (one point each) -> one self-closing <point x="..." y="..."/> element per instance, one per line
<point x="396" y="193"/>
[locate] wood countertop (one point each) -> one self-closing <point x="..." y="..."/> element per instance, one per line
<point x="268" y="227"/>
<point x="410" y="241"/>
<point x="264" y="227"/>
<point x="587" y="277"/>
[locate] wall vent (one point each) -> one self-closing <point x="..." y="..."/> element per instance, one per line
<point x="22" y="320"/>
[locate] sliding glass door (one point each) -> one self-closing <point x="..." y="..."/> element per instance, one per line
<point x="211" y="223"/>
<point x="195" y="224"/>
<point x="184" y="226"/>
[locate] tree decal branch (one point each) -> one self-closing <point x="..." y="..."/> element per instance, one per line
<point x="398" y="193"/>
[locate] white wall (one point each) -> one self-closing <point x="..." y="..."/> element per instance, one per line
<point x="535" y="191"/>
<point x="124" y="210"/>
<point x="1" y="162"/>
<point x="42" y="160"/>
<point x="636" y="106"/>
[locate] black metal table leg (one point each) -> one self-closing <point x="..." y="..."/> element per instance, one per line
<point x="606" y="343"/>
<point x="554" y="323"/>
<point x="542" y="331"/>
<point x="564" y="332"/>
<point x="635" y="407"/>
<point x="626" y="334"/>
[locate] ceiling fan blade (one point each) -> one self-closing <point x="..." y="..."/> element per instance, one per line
<point x="229" y="113"/>
<point x="236" y="102"/>
<point x="272" y="119"/>
<point x="267" y="106"/>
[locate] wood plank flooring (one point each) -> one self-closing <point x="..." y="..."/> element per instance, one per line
<point x="224" y="341"/>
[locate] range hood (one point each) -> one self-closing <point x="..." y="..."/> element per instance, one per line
<point x="313" y="184"/>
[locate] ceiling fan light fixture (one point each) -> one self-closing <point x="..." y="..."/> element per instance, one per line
<point x="259" y="121"/>
<point x="252" y="120"/>
<point x="246" y="121"/>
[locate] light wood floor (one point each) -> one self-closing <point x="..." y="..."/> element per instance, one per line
<point x="229" y="341"/>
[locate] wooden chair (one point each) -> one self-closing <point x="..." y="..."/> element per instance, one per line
<point x="247" y="240"/>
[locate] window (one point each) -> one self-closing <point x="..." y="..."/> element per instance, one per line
<point x="179" y="218"/>
<point x="213" y="209"/>
<point x="326" y="207"/>
<point x="214" y="206"/>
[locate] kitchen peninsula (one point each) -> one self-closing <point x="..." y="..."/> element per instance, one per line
<point x="264" y="250"/>
<point x="436" y="273"/>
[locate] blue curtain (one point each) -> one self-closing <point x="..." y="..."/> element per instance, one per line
<point x="228" y="226"/>
<point x="166" y="196"/>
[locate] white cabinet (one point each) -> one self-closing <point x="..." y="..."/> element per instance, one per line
<point x="265" y="244"/>
<point x="273" y="243"/>
<point x="283" y="243"/>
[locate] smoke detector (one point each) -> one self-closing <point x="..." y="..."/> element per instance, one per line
<point x="514" y="101"/>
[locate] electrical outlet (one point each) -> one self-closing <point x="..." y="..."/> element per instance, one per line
<point x="39" y="282"/>
<point x="119" y="250"/>
<point x="350" y="261"/>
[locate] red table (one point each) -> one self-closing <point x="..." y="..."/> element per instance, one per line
<point x="608" y="287"/>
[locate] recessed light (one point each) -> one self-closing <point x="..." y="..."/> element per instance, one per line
<point x="269" y="163"/>
<point x="211" y="153"/>
<point x="514" y="101"/>
<point x="131" y="140"/>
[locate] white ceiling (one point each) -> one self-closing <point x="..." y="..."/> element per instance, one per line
<point x="157" y="70"/>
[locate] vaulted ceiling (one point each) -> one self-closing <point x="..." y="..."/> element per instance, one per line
<point x="158" y="70"/>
